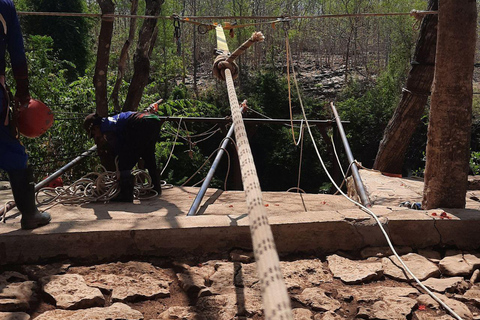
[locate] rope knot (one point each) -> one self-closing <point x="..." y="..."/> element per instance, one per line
<point x="220" y="64"/>
<point x="416" y="14"/>
<point x="257" y="37"/>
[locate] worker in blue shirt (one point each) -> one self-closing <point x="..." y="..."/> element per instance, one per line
<point x="13" y="157"/>
<point x="131" y="136"/>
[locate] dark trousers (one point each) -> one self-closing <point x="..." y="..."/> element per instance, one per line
<point x="140" y="138"/>
<point x="12" y="152"/>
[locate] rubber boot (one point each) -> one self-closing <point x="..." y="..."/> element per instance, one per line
<point x="156" y="181"/>
<point x="126" y="187"/>
<point x="23" y="189"/>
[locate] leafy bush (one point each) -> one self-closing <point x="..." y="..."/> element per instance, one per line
<point x="66" y="139"/>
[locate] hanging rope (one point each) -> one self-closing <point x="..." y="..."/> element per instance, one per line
<point x="367" y="210"/>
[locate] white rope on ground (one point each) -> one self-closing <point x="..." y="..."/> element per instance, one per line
<point x="370" y="212"/>
<point x="95" y="187"/>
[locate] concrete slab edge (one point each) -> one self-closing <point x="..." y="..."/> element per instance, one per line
<point x="308" y="232"/>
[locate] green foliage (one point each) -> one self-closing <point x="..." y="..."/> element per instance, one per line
<point x="366" y="103"/>
<point x="69" y="102"/>
<point x="475" y="162"/>
<point x="71" y="35"/>
<point x="191" y="149"/>
<point x="369" y="105"/>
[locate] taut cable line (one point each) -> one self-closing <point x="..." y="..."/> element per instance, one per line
<point x="415" y="13"/>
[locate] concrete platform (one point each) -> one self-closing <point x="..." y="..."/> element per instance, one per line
<point x="301" y="224"/>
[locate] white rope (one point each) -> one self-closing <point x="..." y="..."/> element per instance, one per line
<point x="276" y="301"/>
<point x="173" y="148"/>
<point x="96" y="187"/>
<point x="369" y="212"/>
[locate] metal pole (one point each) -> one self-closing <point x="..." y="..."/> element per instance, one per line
<point x="52" y="177"/>
<point x="208" y="178"/>
<point x="356" y="175"/>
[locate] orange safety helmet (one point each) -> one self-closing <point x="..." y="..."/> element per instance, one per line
<point x="35" y="120"/>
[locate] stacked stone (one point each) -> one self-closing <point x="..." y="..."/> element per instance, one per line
<point x="337" y="287"/>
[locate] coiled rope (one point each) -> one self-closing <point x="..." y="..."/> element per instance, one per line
<point x="98" y="186"/>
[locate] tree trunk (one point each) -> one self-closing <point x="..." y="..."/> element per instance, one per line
<point x="407" y="116"/>
<point x="103" y="55"/>
<point x="141" y="59"/>
<point x="122" y="61"/>
<point x="448" y="142"/>
<point x="195" y="54"/>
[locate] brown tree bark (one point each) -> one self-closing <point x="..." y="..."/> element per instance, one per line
<point x="103" y="56"/>
<point x="141" y="63"/>
<point x="407" y="116"/>
<point x="100" y="77"/>
<point x="448" y="141"/>
<point x="122" y="61"/>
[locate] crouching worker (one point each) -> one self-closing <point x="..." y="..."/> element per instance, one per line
<point x="13" y="158"/>
<point x="131" y="136"/>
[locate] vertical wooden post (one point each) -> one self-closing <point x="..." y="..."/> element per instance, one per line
<point x="141" y="59"/>
<point x="103" y="56"/>
<point x="451" y="106"/>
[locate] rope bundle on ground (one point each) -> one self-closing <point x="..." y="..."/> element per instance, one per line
<point x="96" y="187"/>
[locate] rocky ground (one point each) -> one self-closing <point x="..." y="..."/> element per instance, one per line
<point x="370" y="286"/>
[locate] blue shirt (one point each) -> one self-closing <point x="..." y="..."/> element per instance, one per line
<point x="116" y="123"/>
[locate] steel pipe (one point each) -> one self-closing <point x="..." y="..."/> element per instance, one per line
<point x="211" y="172"/>
<point x="351" y="160"/>
<point x="52" y="177"/>
<point x="248" y="120"/>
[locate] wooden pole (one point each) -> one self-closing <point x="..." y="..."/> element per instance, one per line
<point x="448" y="144"/>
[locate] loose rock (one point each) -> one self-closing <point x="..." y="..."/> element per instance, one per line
<point x="472" y="295"/>
<point x="17" y="296"/>
<point x="442" y="285"/>
<point x="302" y="314"/>
<point x="302" y="274"/>
<point x="14" y="316"/>
<point x="388" y="309"/>
<point x="420" y="266"/>
<point x="71" y="292"/>
<point x="241" y="256"/>
<point x="115" y="311"/>
<point x="455" y="265"/>
<point x="316" y="299"/>
<point x="329" y="315"/>
<point x="353" y="272"/>
<point x="180" y="313"/>
<point x="131" y="281"/>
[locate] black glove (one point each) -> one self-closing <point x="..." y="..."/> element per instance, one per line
<point x="22" y="95"/>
